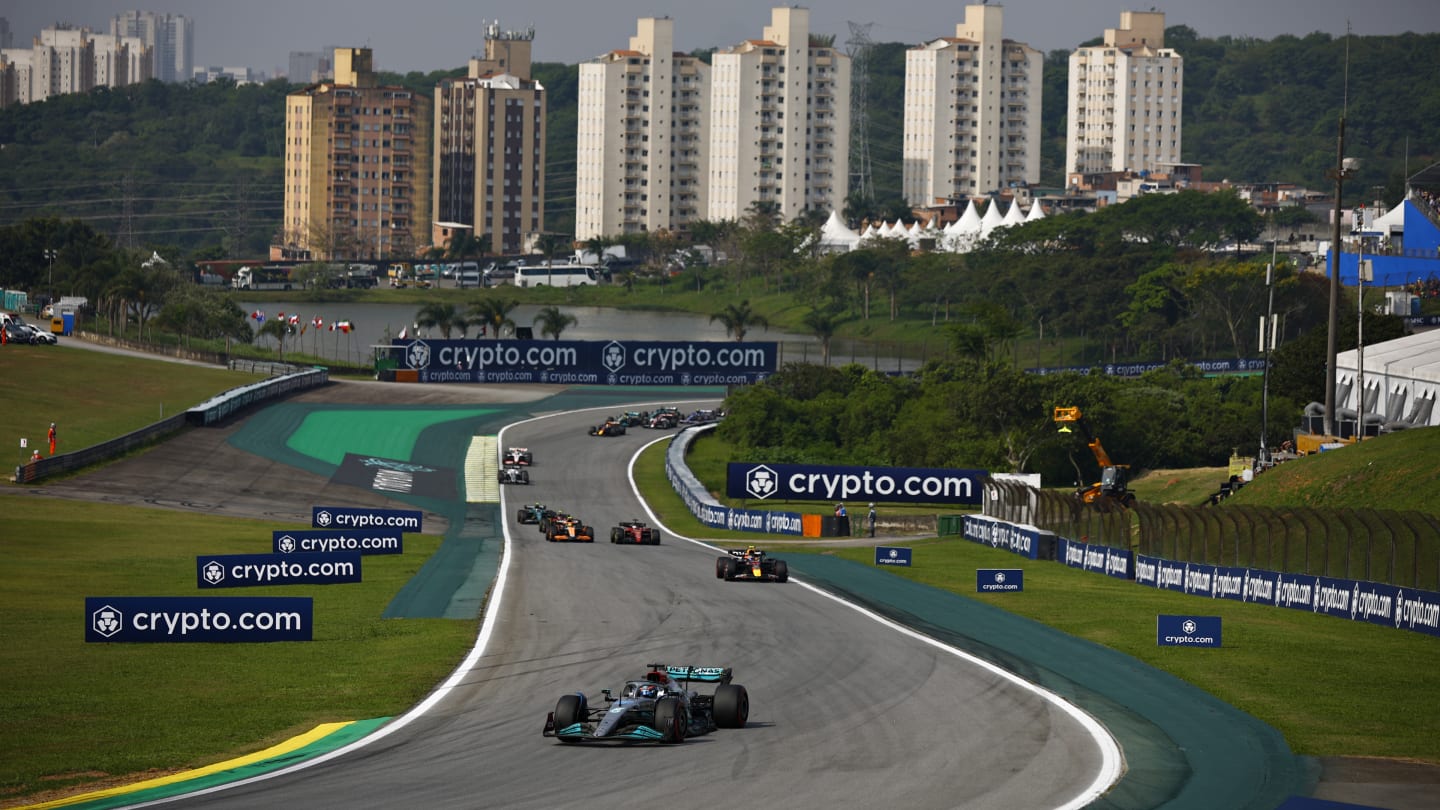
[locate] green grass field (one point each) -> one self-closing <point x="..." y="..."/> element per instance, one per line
<point x="92" y="396"/>
<point x="77" y="712"/>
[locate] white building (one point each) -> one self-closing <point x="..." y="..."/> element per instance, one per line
<point x="972" y="112"/>
<point x="1125" y="99"/>
<point x="779" y="122"/>
<point x="489" y="147"/>
<point x="121" y="60"/>
<point x="641" y="152"/>
<point x="63" y="62"/>
<point x="170" y="36"/>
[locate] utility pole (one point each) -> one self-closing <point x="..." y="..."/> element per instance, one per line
<point x="1338" y="174"/>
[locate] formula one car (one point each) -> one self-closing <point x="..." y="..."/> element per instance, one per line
<point x="532" y="513"/>
<point x="565" y="527"/>
<point x="634" y="418"/>
<point x="663" y="419"/>
<point x="518" y="456"/>
<point x="659" y="708"/>
<point x="636" y="532"/>
<point x="610" y="427"/>
<point x="752" y="564"/>
<point x="514" y="475"/>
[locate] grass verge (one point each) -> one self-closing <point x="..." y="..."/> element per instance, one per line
<point x="77" y="713"/>
<point x="94" y="396"/>
<point x="1332" y="687"/>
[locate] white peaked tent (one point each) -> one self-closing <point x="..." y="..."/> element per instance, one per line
<point x="1391" y="222"/>
<point x="836" y="236"/>
<point x="1037" y="211"/>
<point x="992" y="218"/>
<point x="1013" y="216"/>
<point x="969" y="222"/>
<point x="913" y="234"/>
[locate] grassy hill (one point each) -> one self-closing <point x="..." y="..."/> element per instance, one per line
<point x="1396" y="471"/>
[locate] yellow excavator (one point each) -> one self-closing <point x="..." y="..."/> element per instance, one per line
<point x="1113" y="486"/>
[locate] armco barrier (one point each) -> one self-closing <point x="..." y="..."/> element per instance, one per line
<point x="207" y="413"/>
<point x="710" y="511"/>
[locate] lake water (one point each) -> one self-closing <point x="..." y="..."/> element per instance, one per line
<point x="377" y="323"/>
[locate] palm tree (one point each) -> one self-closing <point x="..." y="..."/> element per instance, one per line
<point x="596" y="246"/>
<point x="738" y="318"/>
<point x="445" y="317"/>
<point x="822" y="324"/>
<point x="550" y="244"/>
<point x="554" y="321"/>
<point x="494" y="313"/>
<point x="277" y="329"/>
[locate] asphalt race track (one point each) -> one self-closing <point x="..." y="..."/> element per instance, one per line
<point x="845" y="711"/>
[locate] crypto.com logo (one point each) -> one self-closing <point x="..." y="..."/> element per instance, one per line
<point x="287" y="543"/>
<point x="213" y="572"/>
<point x="761" y="482"/>
<point x="1189" y="627"/>
<point x="417" y="354"/>
<point x="1000" y="577"/>
<point x="322" y="519"/>
<point x="613" y="358"/>
<point x="107" y="621"/>
<point x="894" y="553"/>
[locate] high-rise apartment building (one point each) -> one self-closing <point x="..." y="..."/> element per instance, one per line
<point x="63" y="62"/>
<point x="7" y="39"/>
<point x="357" y="166"/>
<point x="121" y="60"/>
<point x="489" y="160"/>
<point x="1125" y="100"/>
<point x="972" y="112"/>
<point x="779" y="122"/>
<point x="171" y="37"/>
<point x="641" y="152"/>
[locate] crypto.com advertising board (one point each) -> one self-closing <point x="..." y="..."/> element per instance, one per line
<point x="587" y="362"/>
<point x="809" y="482"/>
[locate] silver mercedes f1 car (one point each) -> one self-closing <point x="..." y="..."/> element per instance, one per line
<point x="659" y="708"/>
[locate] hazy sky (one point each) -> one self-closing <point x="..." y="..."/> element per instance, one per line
<point x="438" y="34"/>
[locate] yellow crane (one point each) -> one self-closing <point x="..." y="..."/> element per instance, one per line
<point x="1113" y="486"/>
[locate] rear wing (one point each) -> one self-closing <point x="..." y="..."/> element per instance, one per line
<point x="740" y="552"/>
<point x="706" y="674"/>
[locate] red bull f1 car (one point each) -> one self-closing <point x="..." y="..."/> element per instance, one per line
<point x="610" y="427"/>
<point x="751" y="564"/>
<point x="658" y="708"/>
<point x="567" y="528"/>
<point x="635" y="532"/>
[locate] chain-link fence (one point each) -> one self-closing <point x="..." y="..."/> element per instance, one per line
<point x="1377" y="545"/>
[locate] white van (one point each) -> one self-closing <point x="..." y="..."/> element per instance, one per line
<point x="560" y="275"/>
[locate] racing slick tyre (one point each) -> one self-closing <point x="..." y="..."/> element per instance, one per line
<point x="670" y="720"/>
<point x="569" y="711"/>
<point x="520" y="517"/>
<point x="524" y="476"/>
<point x="731" y="707"/>
<point x="782" y="571"/>
<point x="722" y="564"/>
<point x="589" y="534"/>
<point x="652" y="537"/>
<point x="615" y="535"/>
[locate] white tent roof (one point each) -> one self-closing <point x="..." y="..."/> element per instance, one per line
<point x="1405" y="370"/>
<point x="1037" y="211"/>
<point x="1013" y="216"/>
<point x="835" y="233"/>
<point x="1391" y="222"/>
<point x="992" y="218"/>
<point x="969" y="222"/>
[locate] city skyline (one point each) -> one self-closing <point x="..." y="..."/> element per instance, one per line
<point x="443" y="34"/>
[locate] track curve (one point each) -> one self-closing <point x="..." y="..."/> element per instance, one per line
<point x="846" y="712"/>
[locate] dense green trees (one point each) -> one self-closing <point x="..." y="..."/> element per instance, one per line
<point x="986" y="415"/>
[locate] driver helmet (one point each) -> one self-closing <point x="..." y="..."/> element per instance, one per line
<point x="650" y="690"/>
